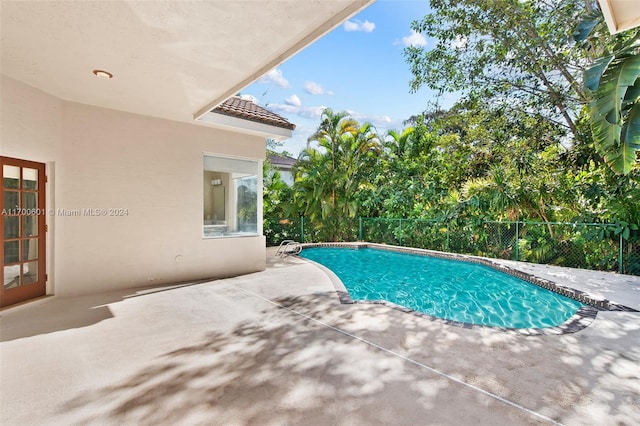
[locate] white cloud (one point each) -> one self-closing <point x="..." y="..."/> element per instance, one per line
<point x="358" y="25"/>
<point x="303" y="111"/>
<point x="249" y="98"/>
<point x="275" y="76"/>
<point x="381" y="122"/>
<point x="293" y="100"/>
<point x="293" y="106"/>
<point x="313" y="88"/>
<point x="283" y="108"/>
<point x="311" y="111"/>
<point x="415" y="39"/>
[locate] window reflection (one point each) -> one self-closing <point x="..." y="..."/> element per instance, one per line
<point x="230" y="197"/>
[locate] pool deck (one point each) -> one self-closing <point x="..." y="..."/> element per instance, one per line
<point x="618" y="288"/>
<point x="277" y="347"/>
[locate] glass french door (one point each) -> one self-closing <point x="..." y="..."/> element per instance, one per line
<point x="23" y="273"/>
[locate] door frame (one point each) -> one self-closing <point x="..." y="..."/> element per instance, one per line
<point x="39" y="288"/>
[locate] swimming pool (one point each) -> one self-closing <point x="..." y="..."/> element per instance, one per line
<point x="450" y="289"/>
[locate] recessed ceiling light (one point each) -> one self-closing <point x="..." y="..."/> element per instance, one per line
<point x="102" y="74"/>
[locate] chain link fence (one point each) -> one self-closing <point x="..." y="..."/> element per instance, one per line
<point x="306" y="231"/>
<point x="602" y="247"/>
<point x="630" y="256"/>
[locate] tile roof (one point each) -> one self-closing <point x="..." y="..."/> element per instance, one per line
<point x="247" y="110"/>
<point x="280" y="159"/>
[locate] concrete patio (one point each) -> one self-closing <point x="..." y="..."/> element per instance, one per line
<point x="277" y="347"/>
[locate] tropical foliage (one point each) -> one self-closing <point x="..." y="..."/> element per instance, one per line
<point x="537" y="135"/>
<point x="332" y="169"/>
<point x="613" y="83"/>
<point x="516" y="170"/>
<point x="511" y="53"/>
<point x="518" y="54"/>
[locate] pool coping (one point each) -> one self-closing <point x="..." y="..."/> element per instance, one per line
<point x="579" y="321"/>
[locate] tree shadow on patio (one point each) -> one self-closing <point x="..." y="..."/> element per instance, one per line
<point x="287" y="369"/>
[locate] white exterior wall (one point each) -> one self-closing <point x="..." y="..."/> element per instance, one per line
<point x="105" y="159"/>
<point x="287" y="177"/>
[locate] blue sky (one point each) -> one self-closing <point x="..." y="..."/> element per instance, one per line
<point x="358" y="67"/>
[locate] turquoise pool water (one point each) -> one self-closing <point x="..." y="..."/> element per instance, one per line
<point x="449" y="289"/>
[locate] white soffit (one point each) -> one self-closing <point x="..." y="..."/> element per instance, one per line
<point x="169" y="59"/>
<point x="620" y="15"/>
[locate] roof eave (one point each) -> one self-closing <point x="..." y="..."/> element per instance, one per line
<point x="619" y="15"/>
<point x="245" y="126"/>
<point x="333" y="22"/>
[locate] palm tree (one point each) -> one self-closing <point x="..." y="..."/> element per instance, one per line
<point x="358" y="155"/>
<point x="334" y="127"/>
<point x="328" y="175"/>
<point x="399" y="143"/>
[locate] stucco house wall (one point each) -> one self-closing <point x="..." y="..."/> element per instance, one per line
<point x="151" y="168"/>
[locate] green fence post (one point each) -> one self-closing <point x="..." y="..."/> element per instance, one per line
<point x="302" y="229"/>
<point x="517" y="239"/>
<point x="360" y="228"/>
<point x="621" y="268"/>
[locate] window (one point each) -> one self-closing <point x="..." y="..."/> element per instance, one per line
<point x="230" y="197"/>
